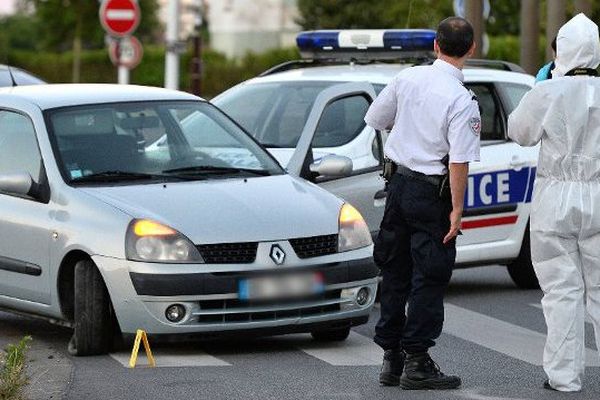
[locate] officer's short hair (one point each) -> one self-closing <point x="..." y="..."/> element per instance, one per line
<point x="455" y="36"/>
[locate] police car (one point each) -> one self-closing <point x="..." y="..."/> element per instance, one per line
<point x="317" y="104"/>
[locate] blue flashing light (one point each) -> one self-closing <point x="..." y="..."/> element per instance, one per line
<point x="409" y="39"/>
<point x="319" y="44"/>
<point x="317" y="40"/>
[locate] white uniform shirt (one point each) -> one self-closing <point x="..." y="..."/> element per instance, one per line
<point x="432" y="114"/>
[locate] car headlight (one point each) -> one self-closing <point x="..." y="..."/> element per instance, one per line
<point x="354" y="232"/>
<point x="150" y="241"/>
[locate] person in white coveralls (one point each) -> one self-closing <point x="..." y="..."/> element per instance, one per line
<point x="563" y="114"/>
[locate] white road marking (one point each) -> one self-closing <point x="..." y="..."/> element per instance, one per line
<point x="503" y="337"/>
<point x="180" y="357"/>
<point x="355" y="351"/>
<point x="120" y="15"/>
<point x="538" y="305"/>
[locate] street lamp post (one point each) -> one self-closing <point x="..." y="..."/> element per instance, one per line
<point x="172" y="53"/>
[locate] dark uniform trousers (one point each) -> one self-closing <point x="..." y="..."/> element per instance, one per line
<point x="415" y="264"/>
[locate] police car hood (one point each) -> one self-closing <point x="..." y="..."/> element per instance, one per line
<point x="577" y="45"/>
<point x="231" y="210"/>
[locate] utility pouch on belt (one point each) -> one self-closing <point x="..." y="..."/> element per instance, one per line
<point x="389" y="169"/>
<point x="444" y="189"/>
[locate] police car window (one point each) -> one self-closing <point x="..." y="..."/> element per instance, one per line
<point x="274" y="113"/>
<point x="512" y="94"/>
<point x="341" y="122"/>
<point x="492" y="127"/>
<point x="19" y="150"/>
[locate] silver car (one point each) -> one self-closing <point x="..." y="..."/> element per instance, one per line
<point x="106" y="226"/>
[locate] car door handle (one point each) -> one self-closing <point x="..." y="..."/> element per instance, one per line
<point x="380" y="195"/>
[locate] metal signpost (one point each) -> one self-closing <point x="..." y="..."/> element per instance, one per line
<point x="120" y="18"/>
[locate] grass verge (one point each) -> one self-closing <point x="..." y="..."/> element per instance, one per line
<point x="12" y="370"/>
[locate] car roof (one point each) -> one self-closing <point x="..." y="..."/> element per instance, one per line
<point x="63" y="95"/>
<point x="383" y="73"/>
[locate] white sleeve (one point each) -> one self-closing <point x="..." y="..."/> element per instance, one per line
<point x="525" y="123"/>
<point x="382" y="113"/>
<point x="464" y="131"/>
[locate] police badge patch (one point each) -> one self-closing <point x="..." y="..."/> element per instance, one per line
<point x="475" y="124"/>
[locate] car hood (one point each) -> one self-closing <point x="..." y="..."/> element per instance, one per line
<point x="231" y="210"/>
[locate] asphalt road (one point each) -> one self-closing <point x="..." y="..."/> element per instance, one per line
<point x="493" y="338"/>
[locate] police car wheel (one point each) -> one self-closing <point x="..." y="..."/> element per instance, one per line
<point x="521" y="270"/>
<point x="331" y="335"/>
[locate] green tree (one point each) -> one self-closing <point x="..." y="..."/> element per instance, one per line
<point x="368" y="14"/>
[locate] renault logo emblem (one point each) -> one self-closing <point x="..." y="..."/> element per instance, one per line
<point x="277" y="254"/>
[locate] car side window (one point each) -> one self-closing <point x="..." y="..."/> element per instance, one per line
<point x="19" y="151"/>
<point x="492" y="125"/>
<point x="512" y="93"/>
<point x="341" y="122"/>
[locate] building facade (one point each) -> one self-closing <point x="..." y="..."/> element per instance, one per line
<point x="240" y="26"/>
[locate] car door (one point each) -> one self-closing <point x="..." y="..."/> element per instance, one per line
<point x="499" y="187"/>
<point x="341" y="109"/>
<point x="24" y="220"/>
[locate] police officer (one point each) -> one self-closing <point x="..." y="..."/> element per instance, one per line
<point x="433" y="118"/>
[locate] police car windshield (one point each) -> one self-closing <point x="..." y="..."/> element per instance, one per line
<point x="275" y="113"/>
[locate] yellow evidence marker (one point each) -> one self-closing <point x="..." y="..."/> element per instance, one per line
<point x="141" y="337"/>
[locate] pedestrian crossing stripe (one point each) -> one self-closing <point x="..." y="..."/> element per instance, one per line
<point x="358" y="350"/>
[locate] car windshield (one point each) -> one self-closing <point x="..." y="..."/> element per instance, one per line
<point x="275" y="113"/>
<point x="169" y="140"/>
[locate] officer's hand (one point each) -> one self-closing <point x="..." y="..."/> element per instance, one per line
<point x="455" y="218"/>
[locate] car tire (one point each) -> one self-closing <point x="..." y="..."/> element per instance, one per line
<point x="331" y="335"/>
<point x="94" y="321"/>
<point x="521" y="270"/>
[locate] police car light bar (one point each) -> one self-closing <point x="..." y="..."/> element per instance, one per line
<point x="366" y="43"/>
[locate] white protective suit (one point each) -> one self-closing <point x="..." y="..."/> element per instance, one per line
<point x="564" y="114"/>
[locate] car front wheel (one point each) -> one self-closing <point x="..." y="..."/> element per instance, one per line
<point x="521" y="270"/>
<point x="94" y="319"/>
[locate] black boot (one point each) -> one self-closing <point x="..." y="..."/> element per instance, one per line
<point x="421" y="372"/>
<point x="393" y="364"/>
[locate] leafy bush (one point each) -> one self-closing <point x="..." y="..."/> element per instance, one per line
<point x="219" y="72"/>
<point x="508" y="48"/>
<point x="12" y="370"/>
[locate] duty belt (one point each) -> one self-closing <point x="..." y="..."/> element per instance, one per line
<point x="435" y="180"/>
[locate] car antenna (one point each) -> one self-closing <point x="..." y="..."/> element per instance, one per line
<point x="12" y="78"/>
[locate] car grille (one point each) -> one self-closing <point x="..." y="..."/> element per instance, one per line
<point x="228" y="253"/>
<point x="315" y="246"/>
<point x="239" y="311"/>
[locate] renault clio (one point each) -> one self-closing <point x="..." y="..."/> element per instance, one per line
<point x="105" y="231"/>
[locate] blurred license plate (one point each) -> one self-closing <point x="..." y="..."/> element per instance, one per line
<point x="281" y="287"/>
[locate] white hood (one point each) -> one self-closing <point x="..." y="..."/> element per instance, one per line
<point x="577" y="45"/>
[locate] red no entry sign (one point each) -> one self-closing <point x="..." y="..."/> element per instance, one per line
<point x="119" y="17"/>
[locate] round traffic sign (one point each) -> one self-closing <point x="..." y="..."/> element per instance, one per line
<point x="126" y="52"/>
<point x="119" y="17"/>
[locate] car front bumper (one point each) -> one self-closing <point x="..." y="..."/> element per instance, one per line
<point x="141" y="293"/>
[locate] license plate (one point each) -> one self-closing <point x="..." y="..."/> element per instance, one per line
<point x="281" y="287"/>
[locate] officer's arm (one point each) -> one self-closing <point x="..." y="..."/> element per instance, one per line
<point x="525" y="124"/>
<point x="464" y="128"/>
<point x="382" y="113"/>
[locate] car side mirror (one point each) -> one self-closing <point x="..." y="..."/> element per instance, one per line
<point x="19" y="183"/>
<point x="332" y="166"/>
